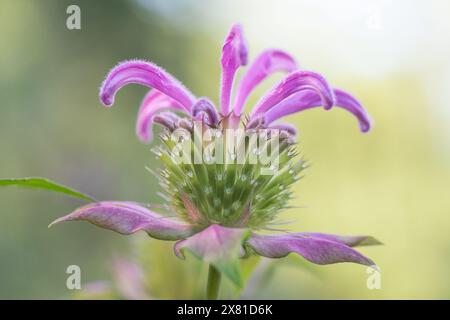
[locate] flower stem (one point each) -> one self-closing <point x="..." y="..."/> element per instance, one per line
<point x="213" y="286"/>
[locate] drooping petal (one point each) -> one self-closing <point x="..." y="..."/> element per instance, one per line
<point x="317" y="250"/>
<point x="268" y="62"/>
<point x="147" y="74"/>
<point x="154" y="102"/>
<point x="351" y="241"/>
<point x="234" y="55"/>
<point x="308" y="99"/>
<point x="295" y="82"/>
<point x="127" y="218"/>
<point x="349" y="103"/>
<point x="205" y="107"/>
<point x="168" y="120"/>
<point x="216" y="245"/>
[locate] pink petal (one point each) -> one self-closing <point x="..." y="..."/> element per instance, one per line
<point x="348" y="102"/>
<point x="216" y="245"/>
<point x="147" y="74"/>
<point x="316" y="249"/>
<point x="289" y="128"/>
<point x="153" y="102"/>
<point x="296" y="81"/>
<point x="307" y="99"/>
<point x="204" y="106"/>
<point x="268" y="62"/>
<point x="168" y="120"/>
<point x="234" y="55"/>
<point x="351" y="241"/>
<point x="127" y="218"/>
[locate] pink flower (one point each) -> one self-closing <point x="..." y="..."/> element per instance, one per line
<point x="217" y="211"/>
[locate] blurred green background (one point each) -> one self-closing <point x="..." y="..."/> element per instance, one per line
<point x="392" y="183"/>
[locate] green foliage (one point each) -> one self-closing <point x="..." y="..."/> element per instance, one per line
<point x="44" y="184"/>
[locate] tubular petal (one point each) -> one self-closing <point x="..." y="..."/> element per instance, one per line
<point x="295" y="103"/>
<point x="168" y="120"/>
<point x="308" y="99"/>
<point x="234" y="55"/>
<point x="205" y="106"/>
<point x="185" y="124"/>
<point x="147" y="74"/>
<point x="268" y="62"/>
<point x="319" y="250"/>
<point x="128" y="218"/>
<point x="292" y="83"/>
<point x="289" y="128"/>
<point x="216" y="245"/>
<point x="349" y="103"/>
<point x="153" y="102"/>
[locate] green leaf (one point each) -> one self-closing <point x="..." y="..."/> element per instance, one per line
<point x="45" y="184"/>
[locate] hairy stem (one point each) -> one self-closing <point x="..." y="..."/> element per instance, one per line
<point x="213" y="286"/>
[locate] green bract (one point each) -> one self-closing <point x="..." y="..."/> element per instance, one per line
<point x="237" y="192"/>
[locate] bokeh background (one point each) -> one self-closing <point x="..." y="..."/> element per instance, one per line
<point x="392" y="183"/>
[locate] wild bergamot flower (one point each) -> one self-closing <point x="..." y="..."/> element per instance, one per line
<point x="218" y="210"/>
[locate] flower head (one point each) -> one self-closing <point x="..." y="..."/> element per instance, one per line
<point x="219" y="199"/>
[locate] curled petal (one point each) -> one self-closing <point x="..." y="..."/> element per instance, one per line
<point x="172" y="116"/>
<point x="268" y="62"/>
<point x="127" y="218"/>
<point x="256" y="122"/>
<point x="153" y="102"/>
<point x="289" y="128"/>
<point x="308" y="99"/>
<point x="147" y="74"/>
<point x="295" y="103"/>
<point x="205" y="107"/>
<point x="234" y="55"/>
<point x="216" y="245"/>
<point x="185" y="124"/>
<point x="316" y="249"/>
<point x="168" y="120"/>
<point x="348" y="102"/>
<point x="295" y="82"/>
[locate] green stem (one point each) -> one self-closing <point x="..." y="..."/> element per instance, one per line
<point x="213" y="286"/>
